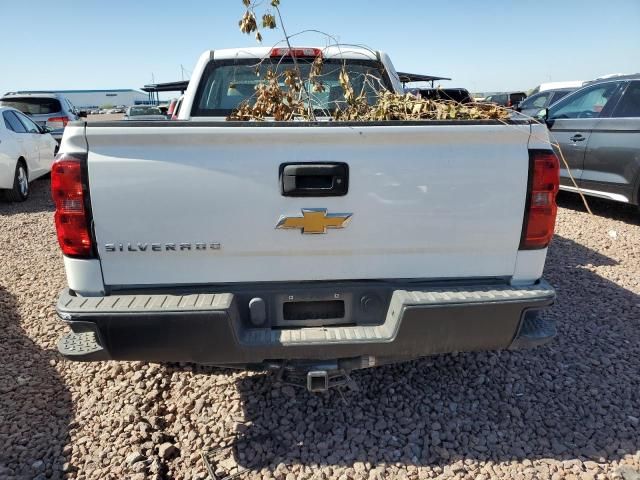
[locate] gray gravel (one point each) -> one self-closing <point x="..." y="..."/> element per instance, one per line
<point x="568" y="410"/>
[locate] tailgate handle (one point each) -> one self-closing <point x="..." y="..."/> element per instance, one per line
<point x="314" y="179"/>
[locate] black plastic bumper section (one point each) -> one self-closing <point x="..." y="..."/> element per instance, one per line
<point x="208" y="328"/>
<point x="82" y="345"/>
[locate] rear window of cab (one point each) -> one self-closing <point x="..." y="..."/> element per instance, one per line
<point x="226" y="84"/>
<point x="33" y="106"/>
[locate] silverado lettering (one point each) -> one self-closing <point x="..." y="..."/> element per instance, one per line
<point x="158" y="247"/>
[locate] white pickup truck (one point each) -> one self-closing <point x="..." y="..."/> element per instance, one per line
<point x="320" y="246"/>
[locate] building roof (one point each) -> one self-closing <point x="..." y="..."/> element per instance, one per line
<point x="417" y="77"/>
<point x="179" y="86"/>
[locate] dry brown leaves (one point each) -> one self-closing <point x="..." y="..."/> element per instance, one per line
<point x="395" y="106"/>
<point x="248" y="23"/>
<point x="272" y="101"/>
<point x="286" y="104"/>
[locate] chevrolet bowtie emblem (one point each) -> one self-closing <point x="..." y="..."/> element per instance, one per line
<point x="315" y="220"/>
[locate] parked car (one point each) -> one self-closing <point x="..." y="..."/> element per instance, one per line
<point x="507" y="99"/>
<point x="532" y="105"/>
<point x="144" y="112"/>
<point x="223" y="242"/>
<point x="172" y="107"/>
<point x="598" y="130"/>
<point x="460" y="95"/>
<point x="46" y="109"/>
<point x="176" y="108"/>
<point x="26" y="153"/>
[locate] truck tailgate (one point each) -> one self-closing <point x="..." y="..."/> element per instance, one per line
<point x="188" y="203"/>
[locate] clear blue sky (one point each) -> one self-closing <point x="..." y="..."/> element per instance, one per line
<point x="483" y="45"/>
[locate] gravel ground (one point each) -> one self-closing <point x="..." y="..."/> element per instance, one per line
<point x="567" y="410"/>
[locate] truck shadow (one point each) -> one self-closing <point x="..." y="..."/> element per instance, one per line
<point x="35" y="404"/>
<point x="605" y="208"/>
<point x="39" y="200"/>
<point x="574" y="399"/>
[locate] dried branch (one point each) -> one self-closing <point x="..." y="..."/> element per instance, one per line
<point x="248" y="25"/>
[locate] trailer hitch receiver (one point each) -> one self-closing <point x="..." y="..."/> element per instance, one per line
<point x="318" y="381"/>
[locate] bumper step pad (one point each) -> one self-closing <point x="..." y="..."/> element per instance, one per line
<point x="535" y="330"/>
<point x="82" y="346"/>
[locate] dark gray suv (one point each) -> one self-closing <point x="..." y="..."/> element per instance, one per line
<point x="598" y="130"/>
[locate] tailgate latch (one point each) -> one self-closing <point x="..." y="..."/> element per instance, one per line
<point x="319" y="179"/>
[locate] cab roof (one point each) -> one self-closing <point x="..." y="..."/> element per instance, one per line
<point x="336" y="51"/>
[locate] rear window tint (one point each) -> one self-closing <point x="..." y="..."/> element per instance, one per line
<point x="560" y="94"/>
<point x="227" y="84"/>
<point x="12" y="123"/>
<point x="536" y="101"/>
<point x="501" y="99"/>
<point x="28" y="124"/>
<point x="33" y="106"/>
<point x="629" y="105"/>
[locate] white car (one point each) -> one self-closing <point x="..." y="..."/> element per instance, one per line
<point x="144" y="112"/>
<point x="26" y="153"/>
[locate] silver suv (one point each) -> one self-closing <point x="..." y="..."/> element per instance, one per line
<point x="598" y="130"/>
<point x="47" y="109"/>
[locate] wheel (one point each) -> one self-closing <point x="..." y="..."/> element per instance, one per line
<point x="20" y="190"/>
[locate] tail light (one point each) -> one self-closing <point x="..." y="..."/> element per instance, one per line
<point x="62" y="120"/>
<point x="296" y="52"/>
<point x="541" y="209"/>
<point x="69" y="196"/>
